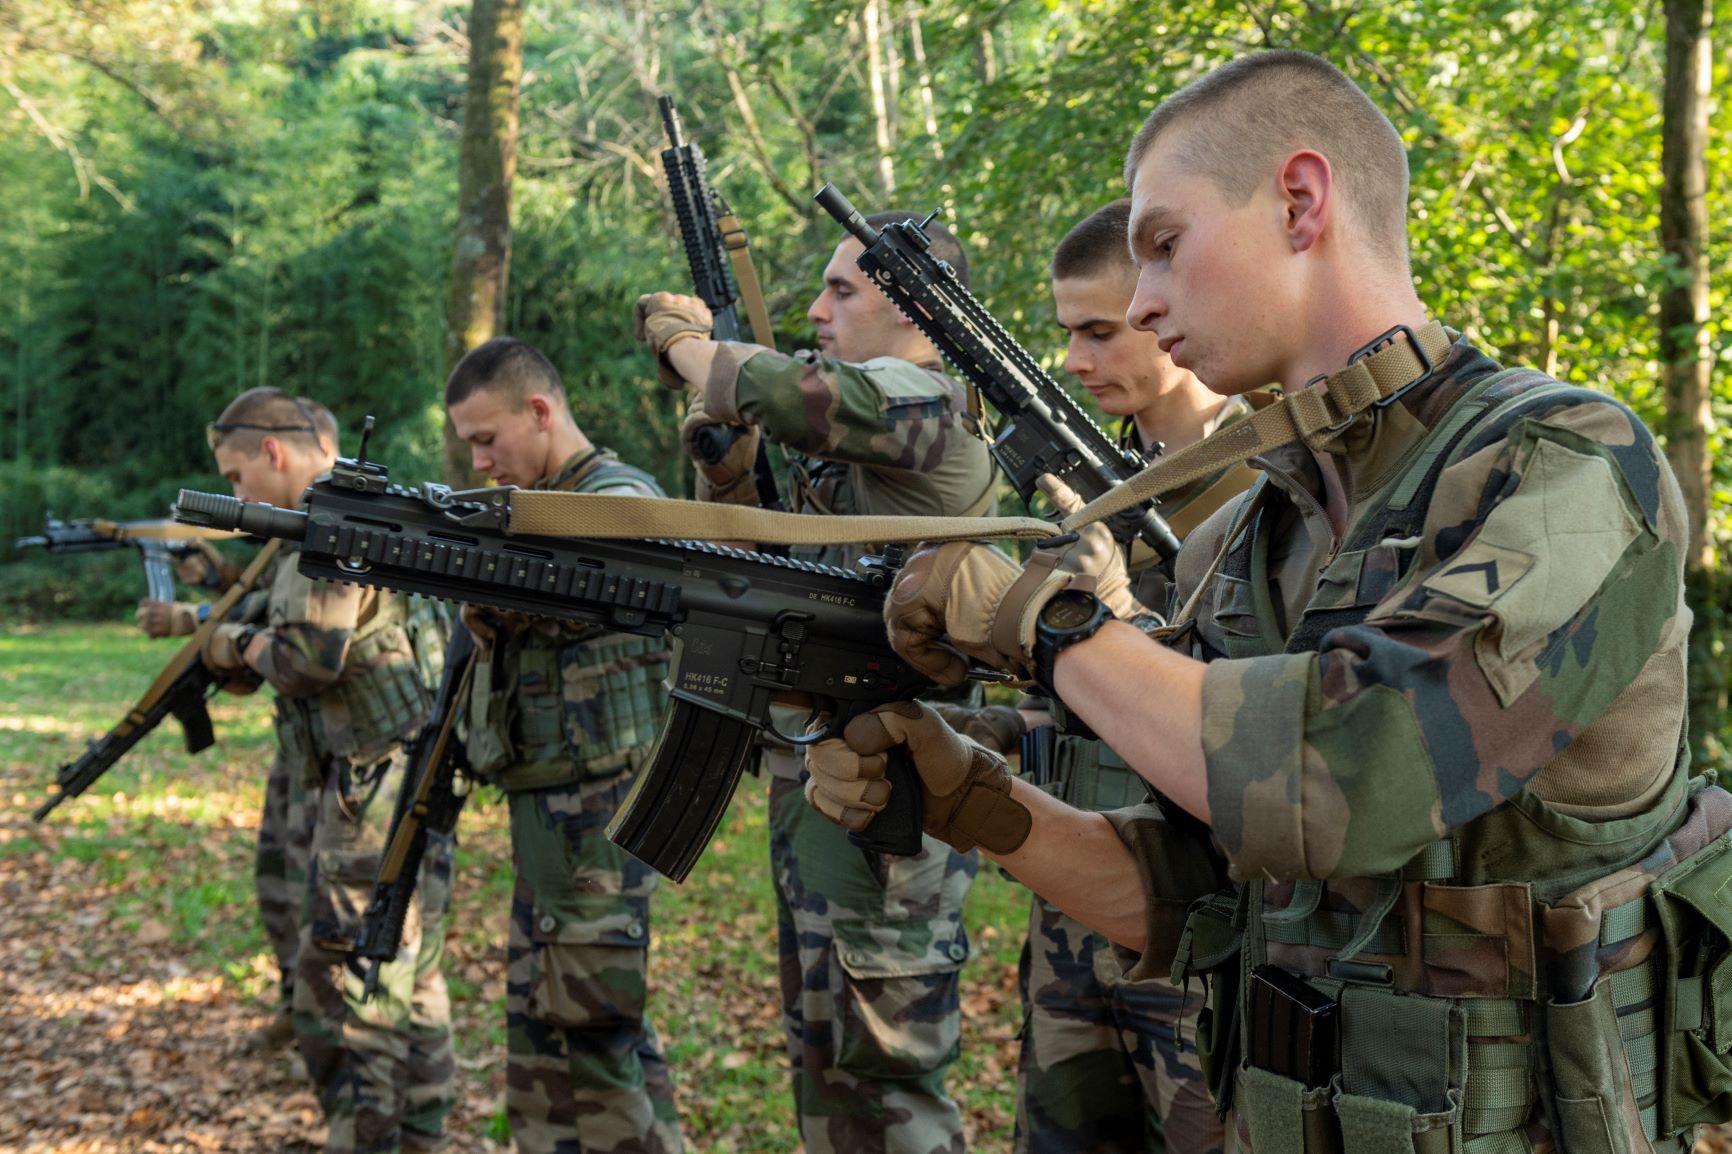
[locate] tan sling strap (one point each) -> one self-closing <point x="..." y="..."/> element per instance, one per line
<point x="601" y="515"/>
<point x="1311" y="415"/>
<point x="739" y="247"/>
<point x="189" y="652"/>
<point x="159" y="531"/>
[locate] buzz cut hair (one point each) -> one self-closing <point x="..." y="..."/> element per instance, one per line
<point x="323" y="420"/>
<point x="945" y="246"/>
<point x="511" y="370"/>
<point x="269" y="412"/>
<point x="1237" y="123"/>
<point x="1096" y="244"/>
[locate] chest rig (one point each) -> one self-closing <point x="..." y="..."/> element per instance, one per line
<point x="558" y="703"/>
<point x="1532" y="982"/>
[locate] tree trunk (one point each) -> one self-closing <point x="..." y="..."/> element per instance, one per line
<point x="481" y="263"/>
<point x="923" y="76"/>
<point x="880" y="106"/>
<point x="1684" y="349"/>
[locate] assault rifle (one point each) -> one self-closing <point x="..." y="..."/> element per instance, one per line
<point x="749" y="629"/>
<point x="180" y="690"/>
<point x="1040" y="429"/>
<point x="158" y="543"/>
<point x="713" y="237"/>
<point x="429" y="803"/>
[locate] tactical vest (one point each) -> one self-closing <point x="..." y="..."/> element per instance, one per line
<point x="378" y="702"/>
<point x="1586" y="1008"/>
<point x="558" y="704"/>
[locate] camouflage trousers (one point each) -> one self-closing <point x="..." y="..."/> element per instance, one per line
<point x="584" y="1072"/>
<point x="1103" y="1070"/>
<point x="382" y="1067"/>
<point x="280" y="867"/>
<point x="871" y="947"/>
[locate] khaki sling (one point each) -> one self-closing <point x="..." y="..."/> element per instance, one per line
<point x="1311" y="415"/>
<point x="739" y="247"/>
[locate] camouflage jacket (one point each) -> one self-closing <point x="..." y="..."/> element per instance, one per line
<point x="883" y="437"/>
<point x="1443" y="750"/>
<point x="562" y="701"/>
<point x="340" y="659"/>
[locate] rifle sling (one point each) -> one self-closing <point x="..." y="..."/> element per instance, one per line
<point x="160" y="531"/>
<point x="398" y="851"/>
<point x="1312" y="415"/>
<point x="188" y="653"/>
<point x="739" y="247"/>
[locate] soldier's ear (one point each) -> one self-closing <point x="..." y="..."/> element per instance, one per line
<point x="273" y="451"/>
<point x="542" y="410"/>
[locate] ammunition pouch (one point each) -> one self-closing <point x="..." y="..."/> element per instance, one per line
<point x="1087" y="774"/>
<point x="543" y="714"/>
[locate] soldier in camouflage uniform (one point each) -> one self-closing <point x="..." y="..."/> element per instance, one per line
<point x="871" y="945"/>
<point x="1426" y="691"/>
<point x="285" y="833"/>
<point x="561" y="717"/>
<point x="1103" y="1069"/>
<point x="348" y="695"/>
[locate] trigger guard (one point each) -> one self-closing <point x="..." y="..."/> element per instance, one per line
<point x="824" y="732"/>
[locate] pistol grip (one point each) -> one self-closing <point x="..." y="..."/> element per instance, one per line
<point x="896" y="830"/>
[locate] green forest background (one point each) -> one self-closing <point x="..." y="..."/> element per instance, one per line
<point x="202" y="197"/>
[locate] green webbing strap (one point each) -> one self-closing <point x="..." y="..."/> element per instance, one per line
<point x="1643" y="1050"/>
<point x="1497" y="1099"/>
<point x="1633" y="987"/>
<point x="1494" y="1017"/>
<point x="1508" y="1142"/>
<point x="1620" y="923"/>
<point x="1497" y="1055"/>
<point x="1371" y="924"/>
<point x="1333" y="930"/>
<point x="1651" y="1122"/>
<point x="1307" y="892"/>
<point x="1432" y="864"/>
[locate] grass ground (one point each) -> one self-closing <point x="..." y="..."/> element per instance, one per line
<point x="132" y="959"/>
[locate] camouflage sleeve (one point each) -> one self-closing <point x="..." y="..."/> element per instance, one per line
<point x="1548" y="582"/>
<point x="311" y="622"/>
<point x="885" y="413"/>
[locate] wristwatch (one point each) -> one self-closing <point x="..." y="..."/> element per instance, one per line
<point x="1070" y="616"/>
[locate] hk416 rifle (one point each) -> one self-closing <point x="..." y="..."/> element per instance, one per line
<point x="748" y="628"/>
<point x="158" y="543"/>
<point x="719" y="253"/>
<point x="1040" y="429"/>
<point x="432" y="796"/>
<point x="180" y="690"/>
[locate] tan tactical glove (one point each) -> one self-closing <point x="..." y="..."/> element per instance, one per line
<point x="964" y="600"/>
<point x="997" y="727"/>
<point x="1095" y="553"/>
<point x="206" y="567"/>
<point x="662" y="320"/>
<point x="965" y="790"/>
<point x="730" y="481"/>
<point x="224" y="651"/>
<point x="166" y="618"/>
<point x="488" y="625"/>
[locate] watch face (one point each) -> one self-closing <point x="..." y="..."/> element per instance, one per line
<point x="1068" y="610"/>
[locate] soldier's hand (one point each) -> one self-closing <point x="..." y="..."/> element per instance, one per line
<point x="224" y="651"/>
<point x="488" y="625"/>
<point x="166" y="618"/>
<point x="965" y="789"/>
<point x="202" y="567"/>
<point x="1095" y="554"/>
<point x="943" y="607"/>
<point x="997" y="727"/>
<point x="662" y="320"/>
<point x="730" y="481"/>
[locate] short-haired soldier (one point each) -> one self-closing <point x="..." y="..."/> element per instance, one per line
<point x="561" y="717"/>
<point x="1426" y="690"/>
<point x="349" y="694"/>
<point x="871" y="944"/>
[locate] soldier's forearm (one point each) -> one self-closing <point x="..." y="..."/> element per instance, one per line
<point x="692" y="359"/>
<point x="1077" y="861"/>
<point x="1146" y="702"/>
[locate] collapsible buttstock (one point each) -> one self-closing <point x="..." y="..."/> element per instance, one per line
<point x="678" y="799"/>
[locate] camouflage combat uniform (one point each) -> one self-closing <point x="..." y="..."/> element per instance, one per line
<point x="561" y="717"/>
<point x="1103" y="1068"/>
<point x="871" y="945"/>
<point x="1444" y="763"/>
<point x="348" y="693"/>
